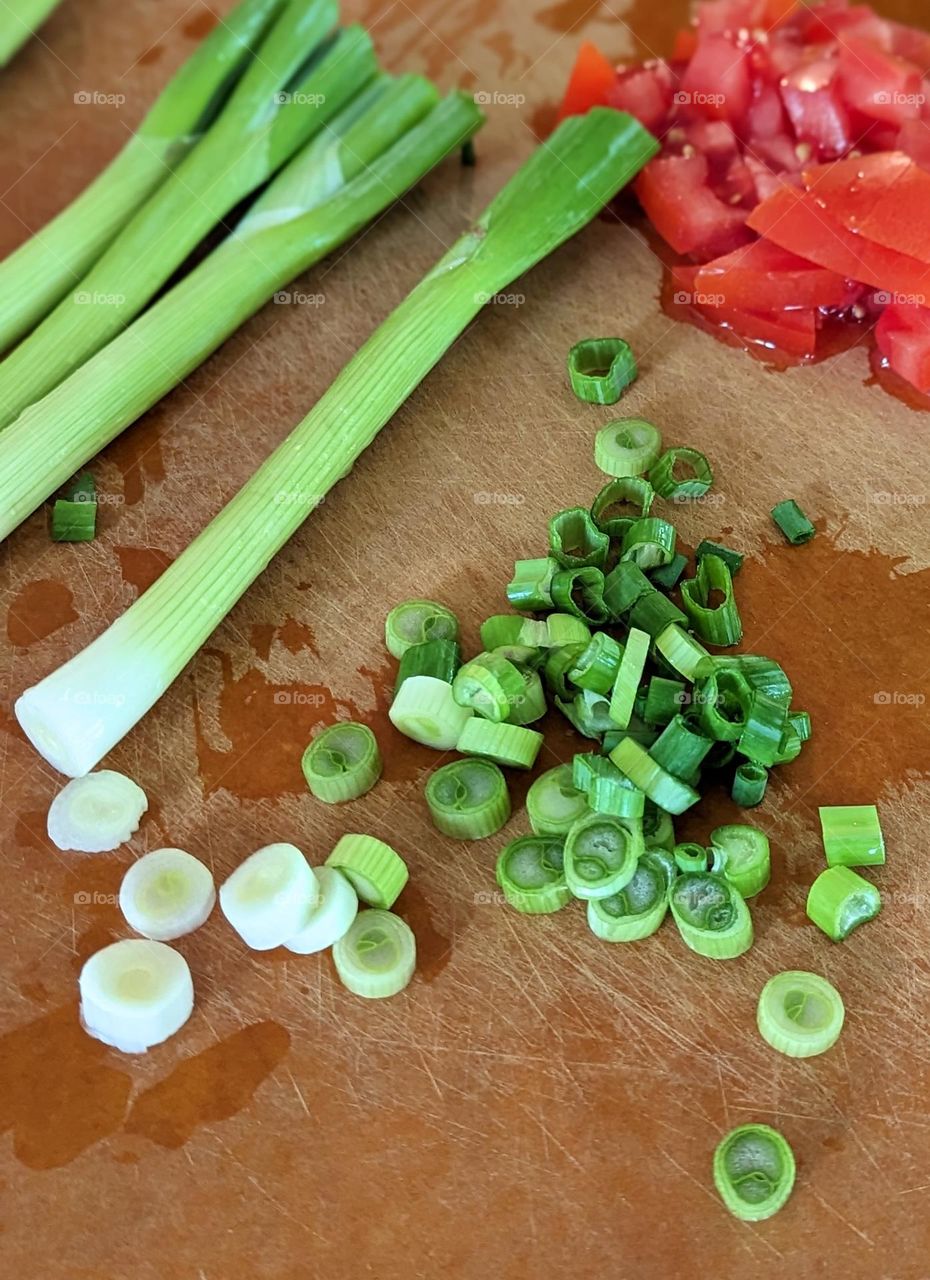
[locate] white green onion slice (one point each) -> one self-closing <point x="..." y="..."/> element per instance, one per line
<point x="711" y="915"/>
<point x="415" y="622"/>
<point x="342" y="763"/>
<point x="754" y="1172"/>
<point x="601" y="854"/>
<point x="96" y="813"/>
<point x="135" y="994"/>
<point x="167" y="894"/>
<point x="852" y="835"/>
<point x="376" y="872"/>
<point x="629" y="676"/>
<point x="800" y="1014"/>
<point x="377" y="956"/>
<point x="267" y="897"/>
<point x="468" y="799"/>
<point x="627" y="447"/>
<point x="662" y="788"/>
<point x="489" y="685"/>
<point x="531" y="875"/>
<point x="553" y="803"/>
<point x="330" y="917"/>
<point x="742" y="857"/>
<point x="426" y="711"/>
<point x="840" y="900"/>
<point x="506" y="744"/>
<point x="636" y="911"/>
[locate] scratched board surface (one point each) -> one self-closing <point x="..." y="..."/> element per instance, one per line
<point x="537" y="1102"/>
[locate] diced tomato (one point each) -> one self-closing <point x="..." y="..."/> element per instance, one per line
<point x="781" y="153"/>
<point x="716" y="85"/>
<point x="712" y="138"/>
<point x="766" y="116"/>
<point x="914" y="140"/>
<point x="686" y="42"/>
<point x="884" y="198"/>
<point x="591" y="81"/>
<point x="812" y="99"/>
<point x="877" y="83"/>
<point x="763" y="277"/>
<point x="791" y="331"/>
<point x="715" y="16"/>
<point x="905" y="343"/>
<point x="673" y="191"/>
<point x="737" y="185"/>
<point x="646" y="93"/>
<point x="766" y="182"/>
<point x="836" y="22"/>
<point x="910" y="43"/>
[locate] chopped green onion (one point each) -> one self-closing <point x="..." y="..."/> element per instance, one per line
<point x="440" y="659"/>
<point x="852" y="835"/>
<point x="588" y="711"/>
<point x="724" y="701"/>
<point x="664" y="700"/>
<point x="711" y="915"/>
<point x="661" y="860"/>
<point x="663" y="475"/>
<point x="615" y="498"/>
<point x="840" y="900"/>
<point x="536" y="635"/>
<point x="488" y="685"/>
<point x="789" y="746"/>
<point x="468" y="799"/>
<point x="800" y="1014"/>
<point x="754" y="1172"/>
<point x="575" y="541"/>
<point x="375" y="871"/>
<point x="598" y="664"/>
<point x="627" y="447"/>
<point x="653" y="612"/>
<point x="553" y="803"/>
<point x="426" y="711"/>
<point x="268" y="897"/>
<point x="793" y="523"/>
<point x="601" y="854"/>
<point x="681" y="747"/>
<point x="658" y="828"/>
<point x="636" y="911"/>
<point x="742" y="857"/>
<point x="606" y="788"/>
<point x="623" y="586"/>
<point x="600" y="369"/>
<point x="96" y="813"/>
<point x="508" y="744"/>
<point x="800" y="722"/>
<point x="732" y="559"/>
<point x="74" y="516"/>
<point x="377" y="956"/>
<point x="342" y="763"/>
<point x="667" y="576"/>
<point x="526" y="656"/>
<point x="501" y="630"/>
<point x="716" y="623"/>
<point x="691" y="857"/>
<point x="649" y="542"/>
<point x="416" y="622"/>
<point x="749" y="784"/>
<point x="763" y="736"/>
<point x="567" y="630"/>
<point x="134" y="994"/>
<point x="632" y="665"/>
<point x="530" y="705"/>
<point x="660" y="786"/>
<point x="167" y="894"/>
<point x="531" y="874"/>
<point x="559" y="661"/>
<point x="680" y="650"/>
<point x="530" y="586"/>
<point x="764" y="675"/>
<point x="580" y="592"/>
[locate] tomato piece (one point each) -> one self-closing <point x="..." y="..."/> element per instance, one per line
<point x="673" y="191"/>
<point x="716" y="84"/>
<point x="812" y="99"/>
<point x="791" y="331"/>
<point x="712" y="138"/>
<point x="764" y="277"/>
<point x="736" y="186"/>
<point x="716" y="16"/>
<point x="832" y="22"/>
<point x="884" y="198"/>
<point x="906" y="346"/>
<point x="646" y="93"/>
<point x="781" y="153"/>
<point x="686" y="42"/>
<point x="910" y="43"/>
<point x="591" y="80"/>
<point x="766" y="115"/>
<point x="914" y="140"/>
<point x="766" y="182"/>
<point x="879" y="84"/>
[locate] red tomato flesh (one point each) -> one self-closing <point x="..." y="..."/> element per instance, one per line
<point x="883" y="198"/>
<point x="904" y="340"/>
<point x="764" y="277"/>
<point x="591" y="81"/>
<point x="673" y="191"/>
<point x="879" y="84"/>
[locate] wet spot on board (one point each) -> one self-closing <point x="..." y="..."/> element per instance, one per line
<point x="199" y="24"/>
<point x="38" y="610"/>
<point x="140" y="566"/>
<point x="434" y="949"/>
<point x="293" y="635"/>
<point x="150" y="56"/>
<point x="137" y="453"/>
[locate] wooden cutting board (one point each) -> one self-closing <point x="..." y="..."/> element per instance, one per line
<point x="538" y="1103"/>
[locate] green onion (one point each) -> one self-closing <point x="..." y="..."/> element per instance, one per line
<point x="749" y="784"/>
<point x="627" y="447"/>
<point x="342" y="763"/>
<point x="377" y="956"/>
<point x="74" y="515"/>
<point x="852" y="835"/>
<point x="742" y="857"/>
<point x="501" y="630"/>
<point x="660" y="786"/>
<point x="615" y="498"/>
<point x="563" y="185"/>
<point x="575" y="541"/>
<point x="530" y="705"/>
<point x="564" y="630"/>
<point x="601" y="854"/>
<point x="601" y="369"/>
<point x="664" y="700"/>
<point x="530" y="872"/>
<point x="468" y="799"/>
<point x="43" y="269"/>
<point x="763" y="735"/>
<point x="680" y="650"/>
<point x="691" y="857"/>
<point x="508" y="744"/>
<point x="636" y="911"/>
<point x="711" y="915"/>
<point x="559" y="661"/>
<point x="425" y="710"/>
<point x="588" y="711"/>
<point x="330" y="919"/>
<point x="529" y="588"/>
<point x="732" y="559"/>
<point x="800" y="1014"/>
<point x="553" y="803"/>
<point x="658" y="828"/>
<point x="653" y="612"/>
<point x="623" y="586"/>
<point x="764" y="675"/>
<point x="96" y="813"/>
<point x="800" y="722"/>
<point x="793" y="523"/>
<point x="667" y="576"/>
<point x="527" y="657"/>
<point x="416" y="622"/>
<point x="716" y="623"/>
<point x="597" y="664"/>
<point x="580" y="592"/>
<point x="606" y="788"/>
<point x="663" y="475"/>
<point x="754" y="1172"/>
<point x="725" y="702"/>
<point x="649" y="542"/>
<point x="440" y="659"/>
<point x="681" y="747"/>
<point x="840" y="900"/>
<point x="789" y="746"/>
<point x="375" y="871"/>
<point x="662" y="861"/>
<point x="632" y="665"/>
<point x="489" y="685"/>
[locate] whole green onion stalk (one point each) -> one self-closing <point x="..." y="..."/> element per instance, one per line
<point x="20" y="19"/>
<point x="378" y="147"/>
<point x="278" y="105"/>
<point x="42" y="270"/>
<point x="78" y="713"/>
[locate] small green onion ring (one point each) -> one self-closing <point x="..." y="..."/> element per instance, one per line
<point x="529" y="587"/>
<point x="711" y="915"/>
<point x="600" y="369"/>
<point x="718" y="623"/>
<point x="530" y="872"/>
<point x="575" y="541"/>
<point x="505" y="744"/>
<point x="581" y="592"/>
<point x="754" y="1172"/>
<point x="636" y="911"/>
<point x="800" y="1014"/>
<point x="649" y="542"/>
<point x="749" y="784"/>
<point x="342" y="763"/>
<point x="627" y="447"/>
<point x="742" y="857"/>
<point x="554" y="804"/>
<point x="663" y="479"/>
<point x="415" y="622"/>
<point x="468" y="799"/>
<point x="608" y="508"/>
<point x="598" y="664"/>
<point x="852" y="835"/>
<point x="792" y="522"/>
<point x="840" y="900"/>
<point x="601" y="854"/>
<point x="488" y="685"/>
